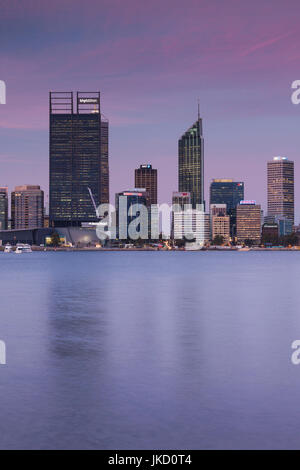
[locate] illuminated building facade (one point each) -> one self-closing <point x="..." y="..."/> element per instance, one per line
<point x="78" y="158"/>
<point x="248" y="222"/>
<point x="220" y="222"/>
<point x="27" y="207"/>
<point x="281" y="188"/>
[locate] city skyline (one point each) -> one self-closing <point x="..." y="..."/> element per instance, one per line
<point x="242" y="74"/>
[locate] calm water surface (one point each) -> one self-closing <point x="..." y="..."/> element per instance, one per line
<point x="149" y="350"/>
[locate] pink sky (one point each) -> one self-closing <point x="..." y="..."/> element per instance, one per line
<point x="151" y="61"/>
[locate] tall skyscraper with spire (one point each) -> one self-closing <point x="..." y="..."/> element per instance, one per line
<point x="191" y="162"/>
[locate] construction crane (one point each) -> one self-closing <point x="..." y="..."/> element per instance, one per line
<point x="93" y="201"/>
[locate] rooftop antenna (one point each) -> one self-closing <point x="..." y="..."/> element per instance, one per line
<point x="198" y="108"/>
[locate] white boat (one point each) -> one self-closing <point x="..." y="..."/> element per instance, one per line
<point x="23" y="248"/>
<point x="8" y="248"/>
<point x="245" y="248"/>
<point x="193" y="246"/>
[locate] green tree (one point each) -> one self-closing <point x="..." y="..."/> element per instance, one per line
<point x="218" y="240"/>
<point x="55" y="239"/>
<point x="291" y="239"/>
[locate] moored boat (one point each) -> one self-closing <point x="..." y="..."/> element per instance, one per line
<point x="23" y="248"/>
<point x="8" y="248"/>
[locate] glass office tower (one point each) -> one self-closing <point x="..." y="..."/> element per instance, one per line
<point x="78" y="158"/>
<point x="191" y="163"/>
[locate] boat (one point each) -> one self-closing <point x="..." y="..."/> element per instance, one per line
<point x="23" y="248"/>
<point x="8" y="248"/>
<point x="245" y="248"/>
<point x="194" y="246"/>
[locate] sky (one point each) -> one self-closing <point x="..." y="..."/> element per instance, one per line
<point x="152" y="61"/>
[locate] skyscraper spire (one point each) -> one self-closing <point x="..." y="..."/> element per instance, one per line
<point x="198" y="108"/>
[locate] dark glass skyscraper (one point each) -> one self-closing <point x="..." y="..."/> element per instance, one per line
<point x="191" y="163"/>
<point x="78" y="158"/>
<point x="229" y="192"/>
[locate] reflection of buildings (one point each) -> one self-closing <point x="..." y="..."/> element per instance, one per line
<point x="191" y="163"/>
<point x="146" y="177"/>
<point x="248" y="222"/>
<point x="3" y="208"/>
<point x="281" y="188"/>
<point x="229" y="192"/>
<point x="27" y="207"/>
<point x="78" y="158"/>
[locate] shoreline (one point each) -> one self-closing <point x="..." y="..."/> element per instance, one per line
<point x="95" y="249"/>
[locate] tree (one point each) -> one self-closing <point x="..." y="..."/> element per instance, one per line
<point x="218" y="240"/>
<point x="291" y="239"/>
<point x="249" y="242"/>
<point x="55" y="239"/>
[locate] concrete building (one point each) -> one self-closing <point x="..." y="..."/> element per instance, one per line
<point x="27" y="207"/>
<point x="192" y="224"/>
<point x="281" y="188"/>
<point x="248" y="222"/>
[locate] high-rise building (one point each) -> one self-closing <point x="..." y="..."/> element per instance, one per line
<point x="3" y="208"/>
<point x="248" y="222"/>
<point x="78" y="158"/>
<point x="27" y="207"/>
<point x="229" y="192"/>
<point x="191" y="163"/>
<point x="281" y="187"/>
<point x="146" y="177"/>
